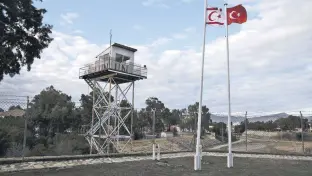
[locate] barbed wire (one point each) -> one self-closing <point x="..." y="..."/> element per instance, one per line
<point x="10" y="95"/>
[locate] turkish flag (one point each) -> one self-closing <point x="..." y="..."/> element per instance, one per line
<point x="236" y="14"/>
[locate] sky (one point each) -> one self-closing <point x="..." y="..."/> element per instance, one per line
<point x="270" y="54"/>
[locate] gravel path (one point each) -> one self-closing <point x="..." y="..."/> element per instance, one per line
<point x="211" y="165"/>
<point x="85" y="162"/>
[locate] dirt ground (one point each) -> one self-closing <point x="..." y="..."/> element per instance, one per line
<point x="215" y="166"/>
<point x="272" y="147"/>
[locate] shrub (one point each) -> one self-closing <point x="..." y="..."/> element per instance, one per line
<point x="15" y="150"/>
<point x="4" y="142"/>
<point x="138" y="135"/>
<point x="175" y="132"/>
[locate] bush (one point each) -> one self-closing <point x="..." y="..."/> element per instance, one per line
<point x="61" y="144"/>
<point x="298" y="136"/>
<point x="138" y="135"/>
<point x="70" y="144"/>
<point x="15" y="150"/>
<point x="4" y="142"/>
<point x="40" y="150"/>
<point x="286" y="136"/>
<point x="306" y="136"/>
<point x="175" y="132"/>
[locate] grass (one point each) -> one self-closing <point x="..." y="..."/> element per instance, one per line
<point x="181" y="143"/>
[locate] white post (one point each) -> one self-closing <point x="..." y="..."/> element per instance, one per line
<point x="158" y="152"/>
<point x="197" y="160"/>
<point x="230" y="155"/>
<point x="154" y="155"/>
<point x="201" y="152"/>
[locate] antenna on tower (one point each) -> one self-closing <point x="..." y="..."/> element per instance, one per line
<point x="110" y="42"/>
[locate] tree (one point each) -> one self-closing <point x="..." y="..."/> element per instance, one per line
<point x="175" y="117"/>
<point x="290" y="123"/>
<point x="51" y="112"/>
<point x="15" y="107"/>
<point x="23" y="35"/>
<point x="219" y="128"/>
<point x="193" y="112"/>
<point x="125" y="110"/>
<point x="166" y="116"/>
<point x="155" y="103"/>
<point x="85" y="111"/>
<point x="142" y="120"/>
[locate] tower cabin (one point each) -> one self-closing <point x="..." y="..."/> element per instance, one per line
<point x="117" y="61"/>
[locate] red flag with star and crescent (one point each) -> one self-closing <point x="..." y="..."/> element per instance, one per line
<point x="236" y="14"/>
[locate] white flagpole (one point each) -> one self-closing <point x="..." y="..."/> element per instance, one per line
<point x="197" y="157"/>
<point x="230" y="155"/>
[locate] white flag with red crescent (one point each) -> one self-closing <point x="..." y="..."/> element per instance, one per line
<point x="214" y="16"/>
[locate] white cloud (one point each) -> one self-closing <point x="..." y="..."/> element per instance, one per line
<point x="270" y="62"/>
<point x="69" y="17"/>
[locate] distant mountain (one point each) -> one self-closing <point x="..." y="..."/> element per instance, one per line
<point x="267" y="118"/>
<point x="309" y="118"/>
<point x="224" y="118"/>
<point x="238" y="119"/>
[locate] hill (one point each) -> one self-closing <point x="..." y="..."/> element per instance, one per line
<point x="238" y="119"/>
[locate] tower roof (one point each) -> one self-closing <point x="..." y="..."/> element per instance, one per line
<point x="124" y="47"/>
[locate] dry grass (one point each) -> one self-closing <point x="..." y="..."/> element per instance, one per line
<point x="146" y="145"/>
<point x="291" y="146"/>
<point x="181" y="143"/>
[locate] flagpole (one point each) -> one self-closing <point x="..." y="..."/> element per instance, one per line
<point x="197" y="157"/>
<point x="230" y="154"/>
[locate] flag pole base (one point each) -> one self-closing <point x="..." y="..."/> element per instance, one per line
<point x="230" y="160"/>
<point x="197" y="161"/>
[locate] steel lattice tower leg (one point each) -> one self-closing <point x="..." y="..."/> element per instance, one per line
<point x="109" y="131"/>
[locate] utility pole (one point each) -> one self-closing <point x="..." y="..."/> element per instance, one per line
<point x="246" y="128"/>
<point x="222" y="135"/>
<point x="302" y="132"/>
<point x="154" y="137"/>
<point x="25" y="127"/>
<point x="154" y="121"/>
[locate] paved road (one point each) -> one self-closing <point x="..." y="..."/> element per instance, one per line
<point x="211" y="165"/>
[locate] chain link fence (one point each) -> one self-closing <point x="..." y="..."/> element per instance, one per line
<point x="36" y="127"/>
<point x="278" y="133"/>
<point x="27" y="130"/>
<point x="13" y="125"/>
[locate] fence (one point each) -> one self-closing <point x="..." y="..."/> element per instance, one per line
<point x="27" y="130"/>
<point x="279" y="133"/>
<point x="12" y="125"/>
<point x="40" y="127"/>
